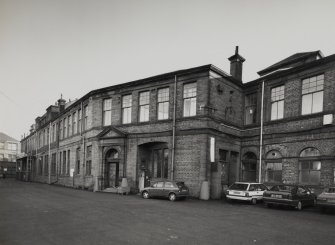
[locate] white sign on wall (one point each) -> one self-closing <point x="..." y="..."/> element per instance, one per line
<point x="212" y="149"/>
<point x="71" y="172"/>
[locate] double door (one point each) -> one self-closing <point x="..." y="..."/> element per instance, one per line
<point x="112" y="174"/>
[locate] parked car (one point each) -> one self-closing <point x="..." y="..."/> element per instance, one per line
<point x="170" y="189"/>
<point x="297" y="196"/>
<point x="326" y="199"/>
<point x="246" y="191"/>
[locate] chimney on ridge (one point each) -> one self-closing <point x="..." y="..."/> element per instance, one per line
<point x="236" y="63"/>
<point x="61" y="103"/>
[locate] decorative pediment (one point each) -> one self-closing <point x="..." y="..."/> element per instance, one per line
<point x="111" y="132"/>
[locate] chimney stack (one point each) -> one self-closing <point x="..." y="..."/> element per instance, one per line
<point x="61" y="103"/>
<point x="236" y="63"/>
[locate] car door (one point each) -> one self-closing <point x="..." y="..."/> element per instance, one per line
<point x="252" y="190"/>
<point x="158" y="190"/>
<point x="168" y="187"/>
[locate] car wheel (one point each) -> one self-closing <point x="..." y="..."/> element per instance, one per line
<point x="299" y="206"/>
<point x="172" y="197"/>
<point x="254" y="201"/>
<point x="269" y="205"/>
<point x="145" y="194"/>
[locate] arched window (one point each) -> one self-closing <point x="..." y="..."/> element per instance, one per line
<point x="274" y="166"/>
<point x="249" y="165"/>
<point x="309" y="166"/>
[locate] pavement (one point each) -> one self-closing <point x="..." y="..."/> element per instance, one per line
<point x="34" y="213"/>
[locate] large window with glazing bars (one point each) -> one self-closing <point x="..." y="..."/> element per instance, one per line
<point x="85" y="117"/>
<point x="312" y="95"/>
<point x="74" y="123"/>
<point x="126" y="109"/>
<point x="163" y="103"/>
<point x="250" y="108"/>
<point x="190" y="99"/>
<point x="89" y="160"/>
<point x="277" y="102"/>
<point x="144" y="106"/>
<point x="107" y="112"/>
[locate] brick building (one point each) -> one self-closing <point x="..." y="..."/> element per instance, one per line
<point x="195" y="125"/>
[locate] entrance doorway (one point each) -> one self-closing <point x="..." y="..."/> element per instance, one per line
<point x="112" y="169"/>
<point x="249" y="166"/>
<point x="153" y="160"/>
<point x="112" y="174"/>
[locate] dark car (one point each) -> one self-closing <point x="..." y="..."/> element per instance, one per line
<point x="297" y="196"/>
<point x="326" y="199"/>
<point x="170" y="189"/>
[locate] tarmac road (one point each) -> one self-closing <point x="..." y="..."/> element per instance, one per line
<point x="33" y="213"/>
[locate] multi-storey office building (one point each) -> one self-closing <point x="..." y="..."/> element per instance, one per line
<point x="194" y="125"/>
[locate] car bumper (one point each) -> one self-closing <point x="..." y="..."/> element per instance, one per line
<point x="285" y="202"/>
<point x="325" y="204"/>
<point x="243" y="198"/>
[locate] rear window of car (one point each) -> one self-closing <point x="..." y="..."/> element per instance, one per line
<point x="286" y="188"/>
<point x="180" y="184"/>
<point x="239" y="187"/>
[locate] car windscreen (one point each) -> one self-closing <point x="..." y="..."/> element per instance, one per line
<point x="285" y="188"/>
<point x="239" y="187"/>
<point x="330" y="190"/>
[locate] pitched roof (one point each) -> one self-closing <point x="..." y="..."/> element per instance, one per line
<point x="298" y="57"/>
<point x="5" y="137"/>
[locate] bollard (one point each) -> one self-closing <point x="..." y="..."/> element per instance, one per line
<point x="204" y="191"/>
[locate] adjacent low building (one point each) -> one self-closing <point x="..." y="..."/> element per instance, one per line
<point x="199" y="125"/>
<point x="9" y="149"/>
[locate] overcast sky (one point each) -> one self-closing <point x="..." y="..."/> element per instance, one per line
<point x="70" y="47"/>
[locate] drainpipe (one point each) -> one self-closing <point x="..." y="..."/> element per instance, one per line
<point x="49" y="157"/>
<point x="174" y="127"/>
<point x="261" y="137"/>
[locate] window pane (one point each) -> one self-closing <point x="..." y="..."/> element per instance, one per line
<point x="274" y="111"/>
<point x="187" y="107"/>
<point x="163" y="110"/>
<point x="144" y="98"/>
<point x="107" y="104"/>
<point x="190" y="90"/>
<point x="317" y="102"/>
<point x="144" y="113"/>
<point x="304" y="176"/>
<point x="163" y="95"/>
<point x="280" y="109"/>
<point x="306" y="104"/>
<point x="304" y="165"/>
<point x="126" y="117"/>
<point x="314" y="177"/>
<point x="107" y="118"/>
<point x="316" y="165"/>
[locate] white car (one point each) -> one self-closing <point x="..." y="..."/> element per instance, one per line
<point x="246" y="191"/>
